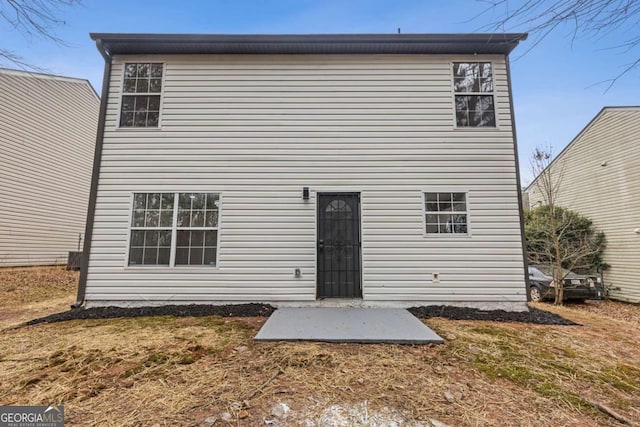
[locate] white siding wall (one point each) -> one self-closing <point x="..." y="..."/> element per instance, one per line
<point x="259" y="128"/>
<point x="609" y="195"/>
<point x="47" y="137"/>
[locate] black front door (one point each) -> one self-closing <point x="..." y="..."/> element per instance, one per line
<point x="339" y="245"/>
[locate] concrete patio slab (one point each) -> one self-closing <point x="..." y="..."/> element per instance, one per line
<point x="363" y="325"/>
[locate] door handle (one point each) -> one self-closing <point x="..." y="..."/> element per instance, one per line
<point x="321" y="245"/>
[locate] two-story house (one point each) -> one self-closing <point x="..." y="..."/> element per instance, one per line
<point x="47" y="136"/>
<point x="290" y="169"/>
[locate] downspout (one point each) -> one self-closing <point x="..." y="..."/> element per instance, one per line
<point x="520" y="207"/>
<point x="93" y="194"/>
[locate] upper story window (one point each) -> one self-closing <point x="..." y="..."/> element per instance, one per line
<point x="473" y="88"/>
<point x="141" y="89"/>
<point x="446" y="213"/>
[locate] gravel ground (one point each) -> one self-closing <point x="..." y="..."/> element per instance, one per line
<point x="534" y="315"/>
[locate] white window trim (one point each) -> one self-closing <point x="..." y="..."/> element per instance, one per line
<point x="162" y="86"/>
<point x="174" y="235"/>
<point x="494" y="93"/>
<point x="468" y="212"/>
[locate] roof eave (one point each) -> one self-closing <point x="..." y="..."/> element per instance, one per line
<point x="119" y="43"/>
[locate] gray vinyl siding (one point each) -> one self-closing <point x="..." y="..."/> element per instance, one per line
<point x="609" y="195"/>
<point x="257" y="129"/>
<point x="47" y="136"/>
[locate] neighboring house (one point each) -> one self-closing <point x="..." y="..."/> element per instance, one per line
<point x="47" y="139"/>
<point x="377" y="169"/>
<point x="599" y="174"/>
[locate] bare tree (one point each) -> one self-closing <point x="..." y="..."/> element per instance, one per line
<point x="32" y="18"/>
<point x="588" y="18"/>
<point x="558" y="237"/>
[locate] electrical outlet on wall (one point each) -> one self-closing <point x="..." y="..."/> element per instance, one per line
<point x="435" y="277"/>
<point x="297" y="272"/>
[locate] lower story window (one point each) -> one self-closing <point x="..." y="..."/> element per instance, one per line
<point x="446" y="213"/>
<point x="174" y="229"/>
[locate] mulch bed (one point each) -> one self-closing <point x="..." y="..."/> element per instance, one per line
<point x="191" y="310"/>
<point x="534" y="315"/>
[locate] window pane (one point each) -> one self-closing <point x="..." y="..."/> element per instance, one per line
<point x="142" y="85"/>
<point x="143" y="70"/>
<point x="129" y="86"/>
<point x="432" y="228"/>
<point x="126" y="120"/>
<point x="444" y="222"/>
<point x="135" y="257"/>
<point x="150" y="238"/>
<point x="164" y="255"/>
<point x="462" y="110"/>
<point x="139" y="200"/>
<point x="432" y="219"/>
<point x="432" y="197"/>
<point x="475" y="111"/>
<point x="183" y="238"/>
<point x="154" y="103"/>
<point x="197" y="238"/>
<point x="140" y="119"/>
<point x="155" y="85"/>
<point x="164" y="238"/>
<point x="460" y="224"/>
<point x="182" y="256"/>
<point x="137" y="238"/>
<point x="483" y="104"/>
<point x="138" y="218"/>
<point x="167" y="201"/>
<point x="466" y="77"/>
<point x="432" y="207"/>
<point x="488" y="120"/>
<point x="479" y="112"/>
<point x="462" y="118"/>
<point x="211" y="238"/>
<point x="445" y="197"/>
<point x="459" y="197"/>
<point x="166" y="218"/>
<point x="211" y="201"/>
<point x="156" y="70"/>
<point x="184" y="201"/>
<point x="197" y="218"/>
<point x="198" y="201"/>
<point x="486" y="77"/>
<point x="152" y="218"/>
<point x="142" y="103"/>
<point x="150" y="255"/>
<point x="152" y="120"/>
<point x="459" y="207"/>
<point x="184" y="218"/>
<point x="211" y="219"/>
<point x="210" y="256"/>
<point x="445" y="207"/>
<point x="153" y="201"/>
<point x="130" y="70"/>
<point x="472" y="77"/>
<point x="128" y="103"/>
<point x="195" y="256"/>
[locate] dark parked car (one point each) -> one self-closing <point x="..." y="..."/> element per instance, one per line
<point x="576" y="286"/>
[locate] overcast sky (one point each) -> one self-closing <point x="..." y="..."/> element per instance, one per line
<point x="556" y="84"/>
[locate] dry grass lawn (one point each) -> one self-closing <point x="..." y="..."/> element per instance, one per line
<point x="178" y="371"/>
